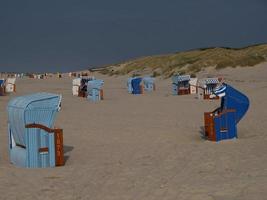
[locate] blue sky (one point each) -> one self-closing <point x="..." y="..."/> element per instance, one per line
<point x="65" y="35"/>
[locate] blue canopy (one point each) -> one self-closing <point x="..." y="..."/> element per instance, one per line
<point x="136" y="85"/>
<point x="2" y="81"/>
<point x="234" y="99"/>
<point x="39" y="108"/>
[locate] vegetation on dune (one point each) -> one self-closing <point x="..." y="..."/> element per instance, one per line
<point x="193" y="61"/>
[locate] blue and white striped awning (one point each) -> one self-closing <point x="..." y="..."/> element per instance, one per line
<point x="180" y="78"/>
<point x="184" y="78"/>
<point x="211" y="80"/>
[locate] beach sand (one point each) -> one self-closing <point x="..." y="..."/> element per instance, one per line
<point x="145" y="147"/>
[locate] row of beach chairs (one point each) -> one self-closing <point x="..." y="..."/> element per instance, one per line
<point x="88" y="87"/>
<point x="184" y="85"/>
<point x="35" y="143"/>
<point x="137" y="85"/>
<point x="181" y="85"/>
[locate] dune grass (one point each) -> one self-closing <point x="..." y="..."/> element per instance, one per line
<point x="192" y="61"/>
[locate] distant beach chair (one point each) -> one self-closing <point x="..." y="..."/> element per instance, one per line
<point x="207" y="86"/>
<point x="33" y="143"/>
<point x="149" y="84"/>
<point x="2" y="87"/>
<point x="10" y="85"/>
<point x="193" y="85"/>
<point x="137" y="87"/>
<point x="79" y="86"/>
<point x="76" y="83"/>
<point x="95" y="90"/>
<point x="180" y="84"/>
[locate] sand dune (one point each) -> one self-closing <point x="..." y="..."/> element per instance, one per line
<point x="145" y="147"/>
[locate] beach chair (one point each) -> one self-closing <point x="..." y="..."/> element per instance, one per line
<point x="95" y="90"/>
<point x="221" y="124"/>
<point x="149" y="84"/>
<point x="2" y="87"/>
<point x="193" y="85"/>
<point x="137" y="87"/>
<point x="76" y="84"/>
<point x="79" y="86"/>
<point x="208" y="85"/>
<point x="10" y="85"/>
<point x="33" y="142"/>
<point x="180" y="84"/>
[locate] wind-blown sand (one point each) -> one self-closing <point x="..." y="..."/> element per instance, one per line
<point x="145" y="147"/>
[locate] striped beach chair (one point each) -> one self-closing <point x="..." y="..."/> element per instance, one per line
<point x="95" y="90"/>
<point x="208" y="85"/>
<point x="221" y="124"/>
<point x="180" y="84"/>
<point x="33" y="142"/>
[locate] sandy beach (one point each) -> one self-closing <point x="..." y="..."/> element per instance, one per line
<point x="145" y="147"/>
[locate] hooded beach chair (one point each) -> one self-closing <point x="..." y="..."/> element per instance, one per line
<point x="79" y="86"/>
<point x="208" y="85"/>
<point x="95" y="90"/>
<point x="221" y="124"/>
<point x="76" y="84"/>
<point x="193" y="85"/>
<point x="149" y="84"/>
<point x="10" y="85"/>
<point x="33" y="142"/>
<point x="137" y="87"/>
<point x="180" y="84"/>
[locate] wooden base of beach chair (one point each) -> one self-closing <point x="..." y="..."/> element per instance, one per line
<point x="142" y="89"/>
<point x="101" y="94"/>
<point x="82" y="94"/>
<point x="184" y="91"/>
<point x="209" y="131"/>
<point x="2" y="91"/>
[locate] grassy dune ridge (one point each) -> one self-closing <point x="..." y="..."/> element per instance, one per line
<point x="191" y="61"/>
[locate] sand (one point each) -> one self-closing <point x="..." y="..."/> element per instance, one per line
<point x="145" y="147"/>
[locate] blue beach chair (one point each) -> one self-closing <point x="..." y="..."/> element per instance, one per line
<point x="136" y="85"/>
<point x="149" y="84"/>
<point x="33" y="143"/>
<point x="221" y="124"/>
<point x="94" y="90"/>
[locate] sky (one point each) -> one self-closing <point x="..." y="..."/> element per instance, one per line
<point x="69" y="35"/>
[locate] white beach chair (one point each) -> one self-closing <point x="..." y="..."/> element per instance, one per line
<point x="10" y="85"/>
